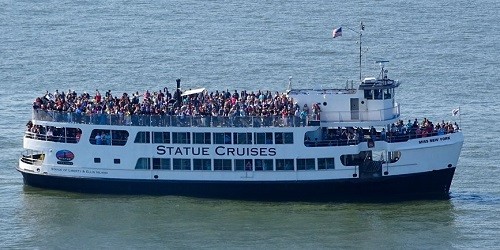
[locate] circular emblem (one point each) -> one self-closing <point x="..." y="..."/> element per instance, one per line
<point x="65" y="155"/>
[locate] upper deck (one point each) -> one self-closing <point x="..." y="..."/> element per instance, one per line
<point x="371" y="104"/>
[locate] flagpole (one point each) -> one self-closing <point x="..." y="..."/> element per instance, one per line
<point x="362" y="27"/>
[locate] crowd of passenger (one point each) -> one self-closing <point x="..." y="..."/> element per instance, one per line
<point x="396" y="132"/>
<point x="163" y="102"/>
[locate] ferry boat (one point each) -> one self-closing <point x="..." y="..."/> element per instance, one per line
<point x="328" y="145"/>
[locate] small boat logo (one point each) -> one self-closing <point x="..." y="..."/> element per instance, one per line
<point x="65" y="155"/>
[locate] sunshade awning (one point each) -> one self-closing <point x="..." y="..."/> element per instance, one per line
<point x="192" y="91"/>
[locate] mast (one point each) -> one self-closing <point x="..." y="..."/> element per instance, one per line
<point x="361" y="28"/>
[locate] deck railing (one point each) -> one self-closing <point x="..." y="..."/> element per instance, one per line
<point x="213" y="121"/>
<point x="171" y="121"/>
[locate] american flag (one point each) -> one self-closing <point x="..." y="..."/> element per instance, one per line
<point x="455" y="112"/>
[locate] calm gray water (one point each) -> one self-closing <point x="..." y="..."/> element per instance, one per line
<point x="445" y="52"/>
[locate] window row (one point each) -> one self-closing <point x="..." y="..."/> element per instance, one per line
<point x="236" y="164"/>
<point x="214" y="138"/>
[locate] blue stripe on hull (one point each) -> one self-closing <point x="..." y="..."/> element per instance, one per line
<point x="427" y="185"/>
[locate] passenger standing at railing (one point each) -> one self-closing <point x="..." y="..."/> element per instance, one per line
<point x="383" y="134"/>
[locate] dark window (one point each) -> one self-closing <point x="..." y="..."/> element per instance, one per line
<point x="119" y="137"/>
<point x="242" y="138"/>
<point x="201" y="138"/>
<point x="284" y="164"/>
<point x="306" y="164"/>
<point x="243" y="165"/>
<point x="97" y="160"/>
<point x="288" y="138"/>
<point x="181" y="138"/>
<point x="222" y="164"/>
<point x="264" y="138"/>
<point x="143" y="137"/>
<point x="182" y="164"/>
<point x="326" y="163"/>
<point x="263" y="165"/>
<point x="161" y="137"/>
<point x="202" y="164"/>
<point x="117" y="161"/>
<point x="222" y="138"/>
<point x="142" y="163"/>
<point x="161" y="163"/>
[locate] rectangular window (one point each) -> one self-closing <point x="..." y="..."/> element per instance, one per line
<point x="288" y="138"/>
<point x="243" y="165"/>
<point x="278" y="138"/>
<point x="97" y="160"/>
<point x="284" y="165"/>
<point x="143" y="163"/>
<point x="283" y="138"/>
<point x="201" y="138"/>
<point x="117" y="161"/>
<point x="161" y="163"/>
<point x="222" y="164"/>
<point x="306" y="164"/>
<point x="181" y="137"/>
<point x="100" y="137"/>
<point x="119" y="137"/>
<point x="143" y="137"/>
<point x="222" y="138"/>
<point x="326" y="163"/>
<point x="161" y="137"/>
<point x="242" y="138"/>
<point x="202" y="164"/>
<point x="181" y="164"/>
<point x="263" y="165"/>
<point x="264" y="138"/>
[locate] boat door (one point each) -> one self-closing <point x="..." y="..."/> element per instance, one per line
<point x="354" y="108"/>
<point x="372" y="164"/>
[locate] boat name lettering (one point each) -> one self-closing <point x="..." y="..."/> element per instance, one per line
<point x="220" y="150"/>
<point x="161" y="150"/>
<point x="434" y="140"/>
<point x="86" y="171"/>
